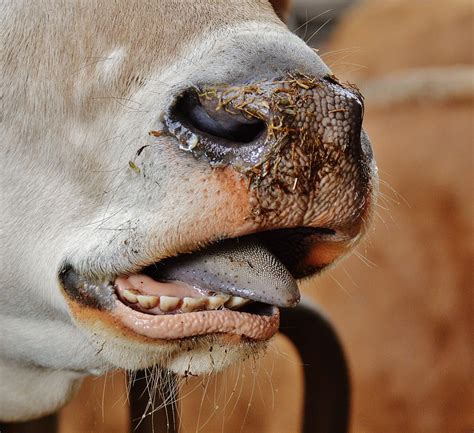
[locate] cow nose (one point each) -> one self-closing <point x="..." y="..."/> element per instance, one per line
<point x="243" y="125"/>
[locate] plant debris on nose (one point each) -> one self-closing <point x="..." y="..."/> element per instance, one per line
<point x="310" y="146"/>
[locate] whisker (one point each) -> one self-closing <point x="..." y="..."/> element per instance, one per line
<point x="341" y="286"/>
<point x="318" y="30"/>
<point x="310" y="20"/>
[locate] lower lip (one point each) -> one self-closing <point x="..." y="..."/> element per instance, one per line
<point x="176" y="326"/>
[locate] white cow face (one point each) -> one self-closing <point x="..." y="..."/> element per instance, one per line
<point x="169" y="170"/>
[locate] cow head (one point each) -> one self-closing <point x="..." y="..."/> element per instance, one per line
<point x="170" y="170"/>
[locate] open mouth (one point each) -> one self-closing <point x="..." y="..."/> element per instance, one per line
<point x="235" y="286"/>
<point x="295" y="145"/>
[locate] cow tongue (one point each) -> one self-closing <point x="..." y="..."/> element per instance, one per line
<point x="237" y="267"/>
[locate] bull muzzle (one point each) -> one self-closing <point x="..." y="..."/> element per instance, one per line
<point x="297" y="139"/>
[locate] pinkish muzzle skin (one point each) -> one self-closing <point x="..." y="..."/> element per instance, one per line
<point x="170" y="327"/>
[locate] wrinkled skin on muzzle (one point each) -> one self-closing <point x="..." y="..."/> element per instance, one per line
<point x="308" y="161"/>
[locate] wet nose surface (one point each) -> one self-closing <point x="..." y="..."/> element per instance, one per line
<point x="296" y="138"/>
<point x="239" y="125"/>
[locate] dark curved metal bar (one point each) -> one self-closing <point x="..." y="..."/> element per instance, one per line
<point x="47" y="424"/>
<point x="326" y="374"/>
<point x="163" y="420"/>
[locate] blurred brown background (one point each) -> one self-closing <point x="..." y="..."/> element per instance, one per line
<point x="403" y="304"/>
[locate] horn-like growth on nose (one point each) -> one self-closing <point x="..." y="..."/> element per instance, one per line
<point x="296" y="139"/>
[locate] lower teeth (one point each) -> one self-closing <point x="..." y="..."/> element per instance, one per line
<point x="167" y="304"/>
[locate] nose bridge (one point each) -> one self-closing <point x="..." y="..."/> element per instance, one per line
<point x="257" y="51"/>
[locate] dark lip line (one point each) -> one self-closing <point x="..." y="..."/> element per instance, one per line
<point x="82" y="291"/>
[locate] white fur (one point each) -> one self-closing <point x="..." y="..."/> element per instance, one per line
<point x="109" y="68"/>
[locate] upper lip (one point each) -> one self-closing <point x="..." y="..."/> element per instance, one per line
<point x="290" y="246"/>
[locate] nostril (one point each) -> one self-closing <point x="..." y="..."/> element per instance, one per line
<point x="296" y="124"/>
<point x="216" y="122"/>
